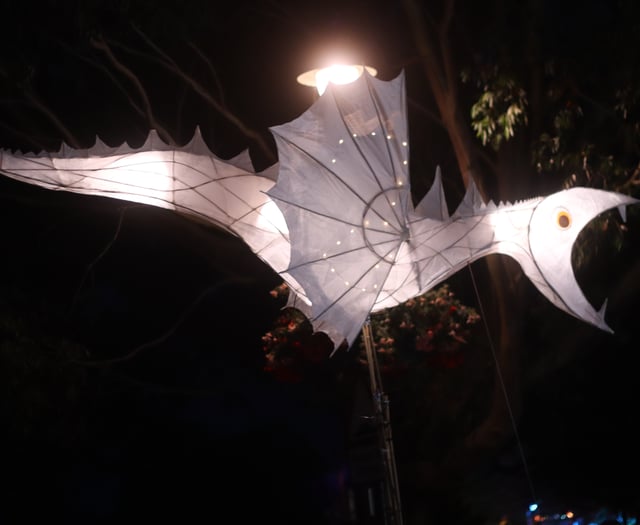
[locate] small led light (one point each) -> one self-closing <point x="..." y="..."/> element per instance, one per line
<point x="341" y="141"/>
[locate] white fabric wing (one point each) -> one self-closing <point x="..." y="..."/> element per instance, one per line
<point x="190" y="180"/>
<point x="343" y="187"/>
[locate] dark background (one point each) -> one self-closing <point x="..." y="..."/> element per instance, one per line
<point x="132" y="377"/>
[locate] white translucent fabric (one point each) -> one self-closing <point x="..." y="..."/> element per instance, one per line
<point x="190" y="180"/>
<point x="343" y="187"/>
<point x="352" y="242"/>
<point x="357" y="243"/>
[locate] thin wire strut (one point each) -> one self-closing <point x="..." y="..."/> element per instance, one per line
<point x="391" y="487"/>
<point x="504" y="388"/>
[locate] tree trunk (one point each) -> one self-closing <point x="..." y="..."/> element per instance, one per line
<point x="442" y="75"/>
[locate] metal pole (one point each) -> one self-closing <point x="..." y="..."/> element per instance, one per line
<point x="393" y="510"/>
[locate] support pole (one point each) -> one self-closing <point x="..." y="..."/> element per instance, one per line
<point x="391" y="488"/>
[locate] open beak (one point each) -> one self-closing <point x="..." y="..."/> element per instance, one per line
<point x="554" y="227"/>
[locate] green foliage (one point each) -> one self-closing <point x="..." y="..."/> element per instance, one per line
<point x="500" y="108"/>
<point x="587" y="132"/>
<point x="593" y="144"/>
<point x="589" y="118"/>
<point x="603" y="236"/>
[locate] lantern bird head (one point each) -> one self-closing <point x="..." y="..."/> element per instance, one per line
<point x="554" y="227"/>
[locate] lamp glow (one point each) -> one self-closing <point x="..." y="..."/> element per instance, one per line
<point x="271" y="218"/>
<point x="336" y="74"/>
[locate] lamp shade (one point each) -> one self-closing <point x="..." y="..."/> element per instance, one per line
<point x="335" y="73"/>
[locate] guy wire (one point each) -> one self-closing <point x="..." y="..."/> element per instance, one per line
<point x="502" y="385"/>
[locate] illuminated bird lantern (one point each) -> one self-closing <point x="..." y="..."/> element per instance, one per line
<point x="337" y="221"/>
<point x="358" y="244"/>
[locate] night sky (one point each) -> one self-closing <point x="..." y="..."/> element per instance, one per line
<point x="138" y="391"/>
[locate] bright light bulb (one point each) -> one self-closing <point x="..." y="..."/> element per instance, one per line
<point x="336" y="74"/>
<point x="271" y="218"/>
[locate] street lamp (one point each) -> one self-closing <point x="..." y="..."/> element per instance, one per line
<point x="341" y="73"/>
<point x="335" y="73"/>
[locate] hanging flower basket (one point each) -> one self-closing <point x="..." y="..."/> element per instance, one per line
<point x="430" y="330"/>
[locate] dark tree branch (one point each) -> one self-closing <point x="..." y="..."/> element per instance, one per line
<point x="109" y="74"/>
<point x="168" y="63"/>
<point x="153" y="122"/>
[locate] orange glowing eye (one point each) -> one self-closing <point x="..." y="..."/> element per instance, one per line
<point x="563" y="219"/>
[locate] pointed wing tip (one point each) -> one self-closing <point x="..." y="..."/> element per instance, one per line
<point x="344" y="345"/>
<point x="602" y="324"/>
